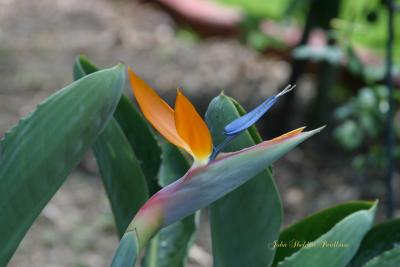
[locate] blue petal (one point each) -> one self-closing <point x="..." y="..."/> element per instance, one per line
<point x="244" y="122"/>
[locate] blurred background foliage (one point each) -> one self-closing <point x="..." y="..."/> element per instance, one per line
<point x="349" y="26"/>
<point x="360" y="23"/>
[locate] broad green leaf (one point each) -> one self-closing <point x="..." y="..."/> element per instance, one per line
<point x="314" y="226"/>
<point x="245" y="222"/>
<point x="119" y="165"/>
<point x="37" y="155"/>
<point x="122" y="176"/>
<point x="389" y="258"/>
<point x="127" y="251"/>
<point x="174" y="164"/>
<point x="336" y="247"/>
<point x="142" y="140"/>
<point x="380" y="238"/>
<point x="170" y="246"/>
<point x="136" y="129"/>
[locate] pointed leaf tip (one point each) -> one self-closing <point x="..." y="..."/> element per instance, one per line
<point x="203" y="185"/>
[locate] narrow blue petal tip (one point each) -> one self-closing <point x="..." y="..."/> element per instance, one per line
<point x="244" y="122"/>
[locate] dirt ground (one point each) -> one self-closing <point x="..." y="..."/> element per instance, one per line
<point x="38" y="43"/>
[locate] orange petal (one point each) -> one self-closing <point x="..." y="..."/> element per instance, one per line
<point x="156" y="110"/>
<point x="288" y="134"/>
<point x="192" y="128"/>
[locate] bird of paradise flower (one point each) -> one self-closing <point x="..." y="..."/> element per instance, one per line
<point x="212" y="175"/>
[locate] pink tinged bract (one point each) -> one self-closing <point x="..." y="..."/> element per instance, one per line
<point x="201" y="186"/>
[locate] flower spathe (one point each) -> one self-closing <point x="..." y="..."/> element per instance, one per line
<point x="202" y="185"/>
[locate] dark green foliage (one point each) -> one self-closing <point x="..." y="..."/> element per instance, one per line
<point x="123" y="179"/>
<point x="337" y="246"/>
<point x="314" y="226"/>
<point x="252" y="214"/>
<point x="381" y="238"/>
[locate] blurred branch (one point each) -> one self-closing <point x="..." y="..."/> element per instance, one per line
<point x="297" y="70"/>
<point x="317" y="17"/>
<point x="390" y="115"/>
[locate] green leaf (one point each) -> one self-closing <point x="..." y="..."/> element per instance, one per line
<point x="127" y="251"/>
<point x="37" y="155"/>
<point x="246" y="221"/>
<point x="83" y="67"/>
<point x="120" y="167"/>
<point x="142" y="139"/>
<point x="170" y="246"/>
<point x="174" y="164"/>
<point x="121" y="174"/>
<point x="380" y="238"/>
<point x="336" y="247"/>
<point x="314" y="226"/>
<point x="389" y="258"/>
<point x="136" y="129"/>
